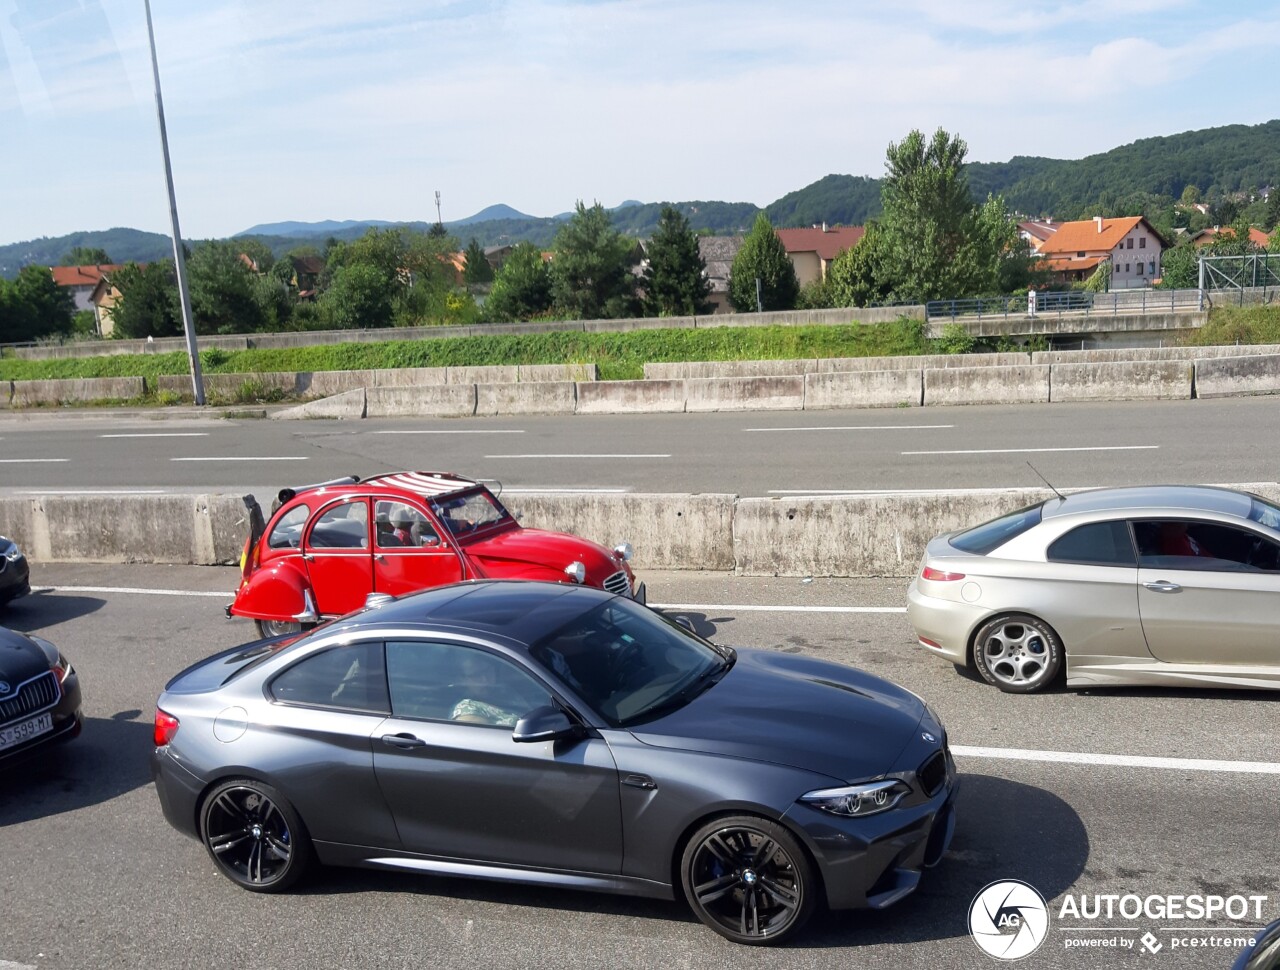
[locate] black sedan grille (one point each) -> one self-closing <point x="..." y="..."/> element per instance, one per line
<point x="933" y="773"/>
<point x="35" y="695"/>
<point x="618" y="584"/>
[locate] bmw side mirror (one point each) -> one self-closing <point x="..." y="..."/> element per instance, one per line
<point x="544" y="724"/>
<point x="685" y="622"/>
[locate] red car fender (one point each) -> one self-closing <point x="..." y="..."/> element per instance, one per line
<point x="274" y="592"/>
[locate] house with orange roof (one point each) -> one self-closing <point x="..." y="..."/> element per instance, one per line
<point x="813" y="250"/>
<point x="81" y="280"/>
<point x="104" y="298"/>
<point x="1206" y="236"/>
<point x="1036" y="231"/>
<point x="1131" y="245"/>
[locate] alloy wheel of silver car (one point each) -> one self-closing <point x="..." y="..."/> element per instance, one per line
<point x="254" y="836"/>
<point x="1018" y="653"/>
<point x="748" y="879"/>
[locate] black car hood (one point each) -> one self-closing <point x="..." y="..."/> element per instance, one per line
<point x="21" y="658"/>
<point x="797" y="711"/>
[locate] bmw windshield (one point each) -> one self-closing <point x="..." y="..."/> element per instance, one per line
<point x="630" y="663"/>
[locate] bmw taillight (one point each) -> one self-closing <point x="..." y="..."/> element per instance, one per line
<point x="166" y="728"/>
<point x="939" y="575"/>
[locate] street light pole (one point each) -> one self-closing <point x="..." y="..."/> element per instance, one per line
<point x="179" y="260"/>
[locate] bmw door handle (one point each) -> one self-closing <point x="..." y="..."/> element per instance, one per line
<point x="403" y="741"/>
<point x="1163" y="586"/>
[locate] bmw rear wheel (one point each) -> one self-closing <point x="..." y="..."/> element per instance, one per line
<point x="749" y="879"/>
<point x="254" y="836"/>
<point x="277" y="628"/>
<point x="1019" y="653"/>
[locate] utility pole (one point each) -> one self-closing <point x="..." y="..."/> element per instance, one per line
<point x="439" y="221"/>
<point x="179" y="260"/>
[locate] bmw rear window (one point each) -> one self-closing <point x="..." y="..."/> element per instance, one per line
<point x="986" y="538"/>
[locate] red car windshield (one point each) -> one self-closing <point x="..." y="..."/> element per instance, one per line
<point x="470" y="512"/>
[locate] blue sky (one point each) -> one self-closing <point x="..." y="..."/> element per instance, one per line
<point x="333" y="109"/>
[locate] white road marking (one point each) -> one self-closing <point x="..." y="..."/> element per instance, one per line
<point x="29" y="461"/>
<point x="1118" y="760"/>
<point x="91" y="491"/>
<point x="247" y="458"/>
<point x="577" y="456"/>
<point x="566" y="491"/>
<point x="160" y="434"/>
<point x="755" y="608"/>
<point x="474" y="431"/>
<point x="1026" y="451"/>
<point x="130" y="589"/>
<point x="10" y="965"/>
<point x="907" y="491"/>
<point x="863" y="427"/>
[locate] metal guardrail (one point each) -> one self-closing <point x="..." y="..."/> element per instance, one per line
<point x="1072" y="302"/>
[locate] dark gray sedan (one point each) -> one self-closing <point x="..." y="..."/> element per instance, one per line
<point x="558" y="735"/>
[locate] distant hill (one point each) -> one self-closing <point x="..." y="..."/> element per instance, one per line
<point x="1218" y="161"/>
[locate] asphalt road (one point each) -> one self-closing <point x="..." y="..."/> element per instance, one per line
<point x="748" y="453"/>
<point x="94" y="877"/>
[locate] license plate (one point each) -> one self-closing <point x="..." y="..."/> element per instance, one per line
<point x="15" y="734"/>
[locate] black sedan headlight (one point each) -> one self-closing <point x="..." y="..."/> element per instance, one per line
<point x="10" y="551"/>
<point x="858" y="801"/>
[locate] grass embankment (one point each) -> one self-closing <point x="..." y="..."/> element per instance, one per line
<point x="1238" y="325"/>
<point x="620" y="356"/>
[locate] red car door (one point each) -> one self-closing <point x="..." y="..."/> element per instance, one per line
<point x="339" y="557"/>
<point x="409" y="553"/>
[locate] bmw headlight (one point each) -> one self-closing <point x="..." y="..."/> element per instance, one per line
<point x="576" y="571"/>
<point x="11" y="551"/>
<point x="858" y="801"/>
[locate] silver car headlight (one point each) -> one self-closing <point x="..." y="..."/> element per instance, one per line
<point x="858" y="801"/>
<point x="624" y="551"/>
<point x="11" y="552"/>
<point x="576" y="571"/>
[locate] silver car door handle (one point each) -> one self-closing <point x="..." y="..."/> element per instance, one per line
<point x="403" y="741"/>
<point x="1163" y="586"/>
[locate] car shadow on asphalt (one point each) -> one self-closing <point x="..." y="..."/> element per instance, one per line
<point x="108" y="759"/>
<point x="1004" y="830"/>
<point x="44" y="609"/>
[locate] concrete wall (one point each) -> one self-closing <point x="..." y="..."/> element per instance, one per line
<point x="630" y="397"/>
<point x="1103" y="355"/>
<point x="1021" y="384"/>
<point x="82" y="390"/>
<point x="1122" y="381"/>
<point x="349" y="404"/>
<point x="744" y="393"/>
<point x="841" y="364"/>
<point x="679" y="370"/>
<point x="1236" y="376"/>
<point x="864" y="389"/>
<point x="528" y="397"/>
<point x="433" y="400"/>
<point x="6" y="393"/>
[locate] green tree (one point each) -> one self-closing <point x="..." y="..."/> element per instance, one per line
<point x="521" y="288"/>
<point x="148" y="304"/>
<point x="863" y="274"/>
<point x="359" y="297"/>
<point x="1180" y="267"/>
<point x="764" y="258"/>
<point x="49" y="305"/>
<point x="1271" y="216"/>
<point x="591" y="276"/>
<point x="86" y="256"/>
<point x="258" y="251"/>
<point x="478" y="268"/>
<point x="675" y="281"/>
<point x="1190" y="195"/>
<point x="224" y="295"/>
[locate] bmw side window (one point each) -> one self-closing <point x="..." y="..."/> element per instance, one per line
<point x="350" y="678"/>
<point x="1095" y="544"/>
<point x="453" y="682"/>
<point x="287" y="532"/>
<point x="343" y="526"/>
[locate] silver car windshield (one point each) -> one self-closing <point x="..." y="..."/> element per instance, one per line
<point x="1264" y="513"/>
<point x="630" y="663"/>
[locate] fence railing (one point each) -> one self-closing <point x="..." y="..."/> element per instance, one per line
<point x="1073" y="302"/>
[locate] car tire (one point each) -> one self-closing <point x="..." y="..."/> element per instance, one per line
<point x="254" y="836"/>
<point x="277" y="628"/>
<point x="749" y="879"/>
<point x="1017" y="652"/>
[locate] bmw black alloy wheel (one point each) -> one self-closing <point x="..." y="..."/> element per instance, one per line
<point x="254" y="836"/>
<point x="749" y="879"/>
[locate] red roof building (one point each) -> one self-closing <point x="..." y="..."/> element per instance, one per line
<point x="812" y="250"/>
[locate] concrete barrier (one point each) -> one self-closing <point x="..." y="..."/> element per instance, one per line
<point x="558" y="372"/>
<point x="508" y="374"/>
<point x="728" y="368"/>
<point x="1021" y="384"/>
<point x="667" y="531"/>
<point x="1238" y="376"/>
<point x="630" y="397"/>
<point x="325" y="382"/>
<point x="6" y="393"/>
<point x="77" y="390"/>
<point x="918" y="362"/>
<point x="1107" y="355"/>
<point x="864" y="535"/>
<point x="864" y="389"/>
<point x="744" y="393"/>
<point x="349" y="404"/>
<point x="1122" y="381"/>
<point x="410" y="376"/>
<point x="526" y="397"/>
<point x="427" y="400"/>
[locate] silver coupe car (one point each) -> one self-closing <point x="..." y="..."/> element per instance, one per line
<point x="1157" y="585"/>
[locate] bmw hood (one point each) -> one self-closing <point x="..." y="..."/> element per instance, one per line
<point x="796" y="711"/>
<point x="21" y="658"/>
<point x="536" y="547"/>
